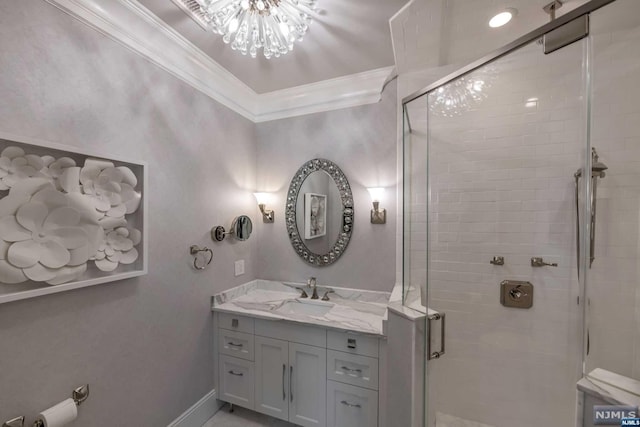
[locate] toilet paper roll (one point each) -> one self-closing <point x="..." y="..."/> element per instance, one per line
<point x="60" y="415"/>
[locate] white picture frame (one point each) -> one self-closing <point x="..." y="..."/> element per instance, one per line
<point x="135" y="222"/>
<point x="315" y="215"/>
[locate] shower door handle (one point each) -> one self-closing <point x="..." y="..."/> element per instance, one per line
<point x="432" y="318"/>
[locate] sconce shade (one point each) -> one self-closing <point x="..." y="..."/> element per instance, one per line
<point x="262" y="198"/>
<point x="376" y="193"/>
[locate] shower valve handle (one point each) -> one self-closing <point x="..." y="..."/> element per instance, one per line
<point x="539" y="262"/>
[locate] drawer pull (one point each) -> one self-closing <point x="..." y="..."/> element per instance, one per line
<point x="344" y="368"/>
<point x="351" y="405"/>
<point x="238" y="374"/>
<point x="351" y="343"/>
<point x="235" y="345"/>
<point x="234" y="323"/>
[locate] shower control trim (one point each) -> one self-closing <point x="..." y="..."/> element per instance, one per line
<point x="516" y="294"/>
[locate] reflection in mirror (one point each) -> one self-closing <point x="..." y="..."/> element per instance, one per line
<point x="319" y="212"/>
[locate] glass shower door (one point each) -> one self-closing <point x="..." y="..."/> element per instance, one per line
<point x="491" y="158"/>
<point x="613" y="278"/>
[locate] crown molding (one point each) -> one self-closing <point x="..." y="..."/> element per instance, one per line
<point x="342" y="92"/>
<point x="137" y="28"/>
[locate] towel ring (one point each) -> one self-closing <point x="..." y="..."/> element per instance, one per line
<point x="195" y="250"/>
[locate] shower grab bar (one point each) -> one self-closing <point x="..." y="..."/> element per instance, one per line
<point x="435" y="354"/>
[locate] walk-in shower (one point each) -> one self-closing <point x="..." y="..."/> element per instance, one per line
<point x="494" y="177"/>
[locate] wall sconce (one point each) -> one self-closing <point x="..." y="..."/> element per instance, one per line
<point x="378" y="216"/>
<point x="267" y="215"/>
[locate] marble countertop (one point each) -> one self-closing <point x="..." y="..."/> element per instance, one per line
<point x="413" y="312"/>
<point x="348" y="309"/>
<point x="611" y="387"/>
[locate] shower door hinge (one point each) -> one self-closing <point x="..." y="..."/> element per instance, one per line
<point x="569" y="33"/>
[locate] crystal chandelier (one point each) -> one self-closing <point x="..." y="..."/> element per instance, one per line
<point x="273" y="25"/>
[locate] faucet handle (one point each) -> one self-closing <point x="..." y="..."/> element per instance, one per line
<point x="326" y="294"/>
<point x="304" y="294"/>
<point x="539" y="262"/>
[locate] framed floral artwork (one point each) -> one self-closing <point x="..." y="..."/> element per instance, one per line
<point x="68" y="218"/>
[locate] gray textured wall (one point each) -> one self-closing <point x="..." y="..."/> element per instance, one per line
<point x="142" y="344"/>
<point x="362" y="141"/>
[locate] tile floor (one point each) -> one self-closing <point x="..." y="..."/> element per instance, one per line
<point x="243" y="418"/>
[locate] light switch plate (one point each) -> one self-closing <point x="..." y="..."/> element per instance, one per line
<point x="239" y="267"/>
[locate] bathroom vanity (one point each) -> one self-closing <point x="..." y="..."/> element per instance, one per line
<point x="310" y="362"/>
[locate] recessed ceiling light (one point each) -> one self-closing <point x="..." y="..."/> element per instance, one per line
<point x="502" y="18"/>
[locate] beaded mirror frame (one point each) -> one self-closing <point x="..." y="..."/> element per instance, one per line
<point x="346" y="196"/>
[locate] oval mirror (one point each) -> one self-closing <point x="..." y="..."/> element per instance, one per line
<point x="319" y="212"/>
<point x="242" y="227"/>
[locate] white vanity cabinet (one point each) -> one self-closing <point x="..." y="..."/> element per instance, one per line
<point x="307" y="375"/>
<point x="290" y="381"/>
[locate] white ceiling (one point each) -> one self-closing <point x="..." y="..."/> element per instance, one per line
<point x="436" y="33"/>
<point x="346" y="37"/>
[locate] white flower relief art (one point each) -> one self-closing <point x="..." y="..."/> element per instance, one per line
<point x="15" y="165"/>
<point x="57" y="217"/>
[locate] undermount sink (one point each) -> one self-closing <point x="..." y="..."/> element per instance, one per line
<point x="305" y="307"/>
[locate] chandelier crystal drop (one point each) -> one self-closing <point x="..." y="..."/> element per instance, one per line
<point x="250" y="25"/>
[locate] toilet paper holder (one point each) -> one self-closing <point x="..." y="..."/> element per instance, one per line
<point x="14" y="422"/>
<point x="78" y="395"/>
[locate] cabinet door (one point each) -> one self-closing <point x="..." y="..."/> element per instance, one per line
<point x="272" y="377"/>
<point x="236" y="381"/>
<point x="350" y="406"/>
<point x="308" y="385"/>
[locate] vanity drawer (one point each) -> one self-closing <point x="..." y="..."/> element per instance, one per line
<point x="352" y="369"/>
<point x="236" y="344"/>
<point x="353" y="343"/>
<point x="236" y="381"/>
<point x="293" y="332"/>
<point x="235" y="323"/>
<point x="350" y="406"/>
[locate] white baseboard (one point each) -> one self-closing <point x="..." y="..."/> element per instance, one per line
<point x="199" y="413"/>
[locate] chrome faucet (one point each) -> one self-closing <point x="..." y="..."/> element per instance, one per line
<point x="311" y="282"/>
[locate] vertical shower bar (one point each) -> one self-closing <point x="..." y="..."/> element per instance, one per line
<point x="592" y="231"/>
<point x="577" y="186"/>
